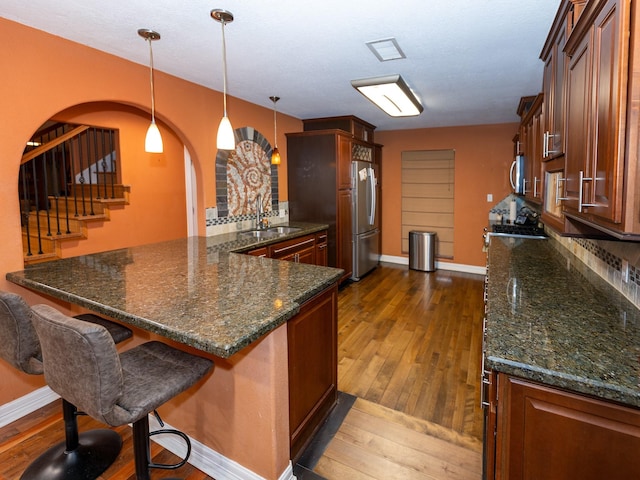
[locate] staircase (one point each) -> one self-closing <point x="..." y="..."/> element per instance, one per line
<point x="68" y="179"/>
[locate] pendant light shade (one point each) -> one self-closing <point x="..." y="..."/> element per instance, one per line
<point x="275" y="154"/>
<point x="153" y="140"/>
<point x="225" y="139"/>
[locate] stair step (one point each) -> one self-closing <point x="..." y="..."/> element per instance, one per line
<point x="119" y="191"/>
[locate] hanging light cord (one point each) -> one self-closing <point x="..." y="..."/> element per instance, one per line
<point x="275" y="126"/>
<point x="224" y="73"/>
<point x="153" y="102"/>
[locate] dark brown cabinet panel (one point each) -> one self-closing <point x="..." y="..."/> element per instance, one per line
<point x="321" y="249"/>
<point x="313" y="369"/>
<point x="531" y="133"/>
<point x="601" y="168"/>
<point x="319" y="182"/>
<point x="299" y="250"/>
<point x="547" y="433"/>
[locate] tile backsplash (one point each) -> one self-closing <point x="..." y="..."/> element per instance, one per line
<point x="228" y="224"/>
<point x="609" y="259"/>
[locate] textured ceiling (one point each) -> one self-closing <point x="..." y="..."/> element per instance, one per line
<point x="469" y="61"/>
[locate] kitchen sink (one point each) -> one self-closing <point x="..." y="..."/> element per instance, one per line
<point x="260" y="234"/>
<point x="284" y="230"/>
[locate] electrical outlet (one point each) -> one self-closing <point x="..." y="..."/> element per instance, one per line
<point x="489" y="197"/>
<point x="624" y="270"/>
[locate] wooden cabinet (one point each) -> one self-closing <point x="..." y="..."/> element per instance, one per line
<point x="299" y="250"/>
<point x="357" y="127"/>
<point x="544" y="432"/>
<point x="311" y="249"/>
<point x="313" y="368"/>
<point x="259" y="252"/>
<point x="553" y="81"/>
<point x="601" y="145"/>
<point x="319" y="183"/>
<point x="531" y="133"/>
<point x="321" y="249"/>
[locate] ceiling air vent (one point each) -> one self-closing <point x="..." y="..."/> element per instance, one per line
<point x="386" y="49"/>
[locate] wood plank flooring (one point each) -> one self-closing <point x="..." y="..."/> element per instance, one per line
<point x="375" y="442"/>
<point x="411" y="341"/>
<point x="23" y="440"/>
<point x="409" y="348"/>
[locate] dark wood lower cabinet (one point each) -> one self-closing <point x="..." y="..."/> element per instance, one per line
<point x="546" y="433"/>
<point x="313" y="367"/>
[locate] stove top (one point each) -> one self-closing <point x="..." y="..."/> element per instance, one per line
<point x="515" y="229"/>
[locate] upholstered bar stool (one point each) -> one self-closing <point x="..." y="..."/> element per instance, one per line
<point x="115" y="388"/>
<point x="80" y="456"/>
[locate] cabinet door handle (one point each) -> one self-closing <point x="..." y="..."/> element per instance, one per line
<point x="545" y="137"/>
<point x="536" y="180"/>
<point x="560" y="197"/>
<point x="581" y="194"/>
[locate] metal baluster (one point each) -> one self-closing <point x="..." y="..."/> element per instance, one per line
<point x="35" y="189"/>
<point x="74" y="155"/>
<point x="90" y="161"/>
<point x="81" y="179"/>
<point x="112" y="152"/>
<point x="104" y="164"/>
<point x="27" y="203"/>
<point x="66" y="187"/>
<point x="56" y="183"/>
<point x="45" y="179"/>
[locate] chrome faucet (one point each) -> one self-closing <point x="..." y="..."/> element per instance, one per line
<point x="259" y="211"/>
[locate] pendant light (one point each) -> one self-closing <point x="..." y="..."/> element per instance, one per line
<point x="153" y="140"/>
<point x="226" y="139"/>
<point x="275" y="155"/>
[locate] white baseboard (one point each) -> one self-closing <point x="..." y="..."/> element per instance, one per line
<point x="207" y="460"/>
<point x="454" y="267"/>
<point x="18" y="408"/>
<point x="202" y="457"/>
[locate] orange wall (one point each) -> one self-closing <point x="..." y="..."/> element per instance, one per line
<point x="46" y="77"/>
<point x="483" y="155"/>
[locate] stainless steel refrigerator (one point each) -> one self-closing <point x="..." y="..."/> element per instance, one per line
<point x="366" y="230"/>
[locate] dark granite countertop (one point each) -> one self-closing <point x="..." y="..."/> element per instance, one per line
<point x="553" y="320"/>
<point x="196" y="291"/>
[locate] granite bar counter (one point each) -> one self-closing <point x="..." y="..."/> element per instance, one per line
<point x="551" y="319"/>
<point x="197" y="291"/>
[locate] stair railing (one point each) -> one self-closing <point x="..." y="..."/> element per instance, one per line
<point x="61" y="173"/>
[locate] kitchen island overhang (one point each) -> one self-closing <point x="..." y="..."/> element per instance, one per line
<point x="199" y="294"/>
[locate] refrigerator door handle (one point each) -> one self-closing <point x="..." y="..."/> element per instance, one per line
<point x="372" y="189"/>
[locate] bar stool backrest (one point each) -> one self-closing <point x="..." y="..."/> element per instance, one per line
<point x="81" y="363"/>
<point x="19" y="343"/>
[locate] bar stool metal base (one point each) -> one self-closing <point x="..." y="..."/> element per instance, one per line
<point x="96" y="451"/>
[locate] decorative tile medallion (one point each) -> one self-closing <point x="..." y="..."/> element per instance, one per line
<point x="245" y="172"/>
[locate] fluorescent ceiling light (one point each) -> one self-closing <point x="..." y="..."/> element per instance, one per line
<point x="391" y="94"/>
<point x="386" y="49"/>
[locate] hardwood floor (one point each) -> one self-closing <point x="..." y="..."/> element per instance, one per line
<point x="375" y="442"/>
<point x="411" y="341"/>
<point x="23" y="440"/>
<point x="409" y="349"/>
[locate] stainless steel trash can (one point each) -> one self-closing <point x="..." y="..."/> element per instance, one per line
<point x="422" y="246"/>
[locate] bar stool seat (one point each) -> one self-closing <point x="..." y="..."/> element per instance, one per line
<point x="82" y="455"/>
<point x="113" y="388"/>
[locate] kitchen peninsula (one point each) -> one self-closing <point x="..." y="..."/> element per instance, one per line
<point x="201" y="294"/>
<point x="561" y="374"/>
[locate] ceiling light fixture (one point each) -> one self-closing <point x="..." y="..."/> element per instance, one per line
<point x="275" y="155"/>
<point x="226" y="139"/>
<point x="153" y="140"/>
<point x="391" y="94"/>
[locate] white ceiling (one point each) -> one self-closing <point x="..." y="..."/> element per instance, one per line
<point x="469" y="61"/>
